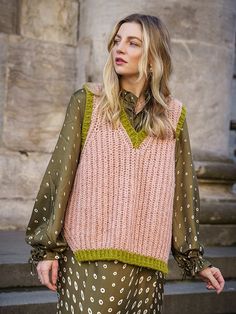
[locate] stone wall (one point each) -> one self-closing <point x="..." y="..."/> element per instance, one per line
<point x="38" y="41"/>
<point x="50" y="48"/>
<point x="232" y="142"/>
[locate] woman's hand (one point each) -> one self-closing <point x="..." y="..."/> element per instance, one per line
<point x="43" y="269"/>
<point x="213" y="277"/>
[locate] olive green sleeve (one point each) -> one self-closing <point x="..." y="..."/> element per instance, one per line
<point x="44" y="231"/>
<point x="186" y="248"/>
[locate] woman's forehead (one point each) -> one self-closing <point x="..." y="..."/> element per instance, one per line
<point x="130" y="29"/>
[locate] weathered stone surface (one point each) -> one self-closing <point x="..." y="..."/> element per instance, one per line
<point x="232" y="143"/>
<point x="40" y="83"/>
<point x="3" y="72"/>
<point x="20" y="174"/>
<point x="15" y="213"/>
<point x="216" y="171"/>
<point x="218" y="213"/>
<point x="54" y="20"/>
<point x="8" y="16"/>
<point x="218" y="235"/>
<point x="20" y="178"/>
<point x="194" y="83"/>
<point x="209" y="22"/>
<point x="218" y="192"/>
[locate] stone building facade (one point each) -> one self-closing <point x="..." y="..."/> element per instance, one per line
<point x="49" y="48"/>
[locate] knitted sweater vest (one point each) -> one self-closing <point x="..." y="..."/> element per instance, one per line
<point x="121" y="202"/>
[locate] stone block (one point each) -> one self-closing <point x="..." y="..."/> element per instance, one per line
<point x="235" y="63"/>
<point x="54" y="20"/>
<point x="211" y="191"/>
<point x="218" y="212"/>
<point x="15" y="213"/>
<point x="217" y="171"/>
<point x="209" y="22"/>
<point x="8" y="16"/>
<point x="20" y="178"/>
<point x="198" y="70"/>
<point x="3" y="73"/>
<point x="20" y="175"/>
<point x="40" y="83"/>
<point x="40" y="302"/>
<point x="193" y="297"/>
<point x="218" y="235"/>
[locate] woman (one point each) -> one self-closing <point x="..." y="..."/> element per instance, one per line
<point x="120" y="190"/>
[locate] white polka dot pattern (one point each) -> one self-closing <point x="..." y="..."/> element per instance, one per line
<point x="186" y="247"/>
<point x="113" y="294"/>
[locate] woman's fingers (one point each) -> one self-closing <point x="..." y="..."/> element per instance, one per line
<point x="46" y="280"/>
<point x="213" y="282"/>
<point x="217" y="274"/>
<point x="44" y="268"/>
<point x="54" y="271"/>
<point x="214" y="278"/>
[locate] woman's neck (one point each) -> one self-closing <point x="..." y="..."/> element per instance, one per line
<point x="132" y="86"/>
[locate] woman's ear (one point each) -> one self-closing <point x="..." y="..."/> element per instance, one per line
<point x="150" y="59"/>
<point x="150" y="68"/>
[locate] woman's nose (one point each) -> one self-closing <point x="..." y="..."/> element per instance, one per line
<point x="120" y="47"/>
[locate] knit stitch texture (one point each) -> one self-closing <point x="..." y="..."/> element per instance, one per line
<point x="121" y="203"/>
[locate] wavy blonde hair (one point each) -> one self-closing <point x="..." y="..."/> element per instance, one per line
<point x="156" y="47"/>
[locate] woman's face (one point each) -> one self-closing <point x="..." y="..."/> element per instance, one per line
<point x="127" y="49"/>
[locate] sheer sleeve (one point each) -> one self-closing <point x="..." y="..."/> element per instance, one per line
<point x="186" y="248"/>
<point x="44" y="231"/>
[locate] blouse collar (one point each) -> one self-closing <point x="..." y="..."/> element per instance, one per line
<point x="130" y="100"/>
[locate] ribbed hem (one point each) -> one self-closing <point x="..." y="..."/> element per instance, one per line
<point x="123" y="256"/>
<point x="181" y="121"/>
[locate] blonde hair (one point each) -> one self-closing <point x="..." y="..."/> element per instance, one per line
<point x="156" y="47"/>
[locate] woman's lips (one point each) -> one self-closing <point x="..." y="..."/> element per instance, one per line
<point x="120" y="61"/>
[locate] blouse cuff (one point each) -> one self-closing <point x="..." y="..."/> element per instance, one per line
<point x="38" y="254"/>
<point x="191" y="264"/>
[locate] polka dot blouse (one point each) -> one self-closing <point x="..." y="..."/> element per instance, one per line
<point x="46" y="223"/>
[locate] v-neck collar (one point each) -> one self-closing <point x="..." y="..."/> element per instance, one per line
<point x="136" y="137"/>
<point x="128" y="102"/>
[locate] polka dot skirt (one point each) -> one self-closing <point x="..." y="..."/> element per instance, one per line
<point x="98" y="287"/>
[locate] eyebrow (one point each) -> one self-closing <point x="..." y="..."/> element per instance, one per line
<point x="129" y="37"/>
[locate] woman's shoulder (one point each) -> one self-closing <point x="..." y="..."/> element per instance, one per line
<point x="88" y="87"/>
<point x="176" y="112"/>
<point x="174" y="102"/>
<point x="95" y="88"/>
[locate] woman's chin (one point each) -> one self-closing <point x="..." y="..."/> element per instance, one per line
<point x="120" y="72"/>
<point x="126" y="74"/>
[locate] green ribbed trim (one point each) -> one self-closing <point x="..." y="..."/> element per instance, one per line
<point x="123" y="256"/>
<point x="181" y="121"/>
<point x="87" y="114"/>
<point x="136" y="137"/>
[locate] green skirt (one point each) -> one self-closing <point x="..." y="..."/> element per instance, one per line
<point x="99" y="287"/>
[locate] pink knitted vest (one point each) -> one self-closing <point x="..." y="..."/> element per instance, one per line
<point x="121" y="203"/>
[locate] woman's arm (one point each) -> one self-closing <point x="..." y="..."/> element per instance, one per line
<point x="186" y="248"/>
<point x="46" y="222"/>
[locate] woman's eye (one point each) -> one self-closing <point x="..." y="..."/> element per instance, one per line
<point x="115" y="41"/>
<point x="133" y="43"/>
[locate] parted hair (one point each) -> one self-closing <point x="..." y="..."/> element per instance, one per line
<point x="156" y="51"/>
